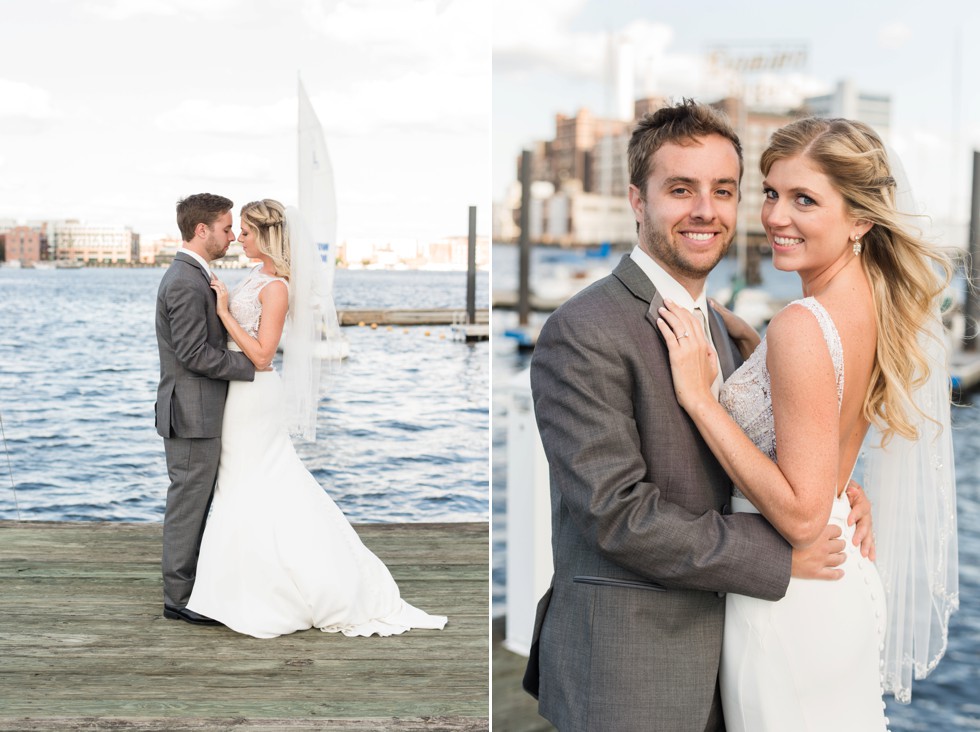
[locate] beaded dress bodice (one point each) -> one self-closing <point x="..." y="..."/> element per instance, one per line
<point x="747" y="394"/>
<point x="243" y="301"/>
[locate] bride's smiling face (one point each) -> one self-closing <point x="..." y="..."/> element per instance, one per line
<point x="248" y="241"/>
<point x="805" y="217"/>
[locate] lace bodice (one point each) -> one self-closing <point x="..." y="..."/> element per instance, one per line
<point x="747" y="394"/>
<point x="243" y="301"/>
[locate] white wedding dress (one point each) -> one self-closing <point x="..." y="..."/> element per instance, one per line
<point x="809" y="662"/>
<point x="277" y="554"/>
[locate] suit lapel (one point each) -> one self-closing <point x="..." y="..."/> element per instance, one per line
<point x="653" y="312"/>
<point x="180" y="256"/>
<point x="722" y="343"/>
<point x="635" y="280"/>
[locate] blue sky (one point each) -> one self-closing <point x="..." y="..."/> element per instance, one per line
<point x="110" y="110"/>
<point x="549" y="57"/>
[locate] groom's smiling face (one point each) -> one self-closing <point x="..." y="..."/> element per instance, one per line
<point x="220" y="236"/>
<point x="687" y="211"/>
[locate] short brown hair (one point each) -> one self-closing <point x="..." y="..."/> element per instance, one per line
<point x="201" y="208"/>
<point x="680" y="123"/>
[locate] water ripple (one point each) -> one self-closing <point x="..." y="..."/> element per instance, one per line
<point x="403" y="430"/>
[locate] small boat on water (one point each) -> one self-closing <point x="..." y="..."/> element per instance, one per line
<point x="69" y="264"/>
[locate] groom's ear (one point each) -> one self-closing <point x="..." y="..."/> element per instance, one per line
<point x="636" y="202"/>
<point x="201" y="230"/>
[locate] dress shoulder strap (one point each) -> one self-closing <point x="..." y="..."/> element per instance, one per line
<point x="831" y="337"/>
<point x="264" y="279"/>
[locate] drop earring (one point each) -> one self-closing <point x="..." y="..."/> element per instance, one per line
<point x="857" y="245"/>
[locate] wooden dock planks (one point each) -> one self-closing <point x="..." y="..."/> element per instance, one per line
<point x="84" y="645"/>
<point x="514" y="709"/>
<point x="403" y="316"/>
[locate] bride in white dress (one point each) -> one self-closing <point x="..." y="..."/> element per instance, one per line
<point x="858" y="351"/>
<point x="277" y="554"/>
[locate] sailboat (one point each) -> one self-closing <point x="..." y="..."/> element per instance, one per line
<point x="318" y="206"/>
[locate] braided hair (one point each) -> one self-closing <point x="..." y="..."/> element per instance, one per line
<point x="268" y="219"/>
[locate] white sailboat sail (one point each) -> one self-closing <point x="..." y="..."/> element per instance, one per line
<point x="318" y="207"/>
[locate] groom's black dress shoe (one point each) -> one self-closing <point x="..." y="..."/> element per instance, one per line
<point x="182" y="613"/>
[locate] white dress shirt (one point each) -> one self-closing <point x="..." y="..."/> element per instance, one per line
<point x="198" y="257"/>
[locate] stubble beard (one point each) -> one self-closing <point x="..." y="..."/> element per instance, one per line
<point x="214" y="248"/>
<point x="658" y="245"/>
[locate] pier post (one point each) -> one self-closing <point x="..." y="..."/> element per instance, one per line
<point x="529" y="563"/>
<point x="972" y="307"/>
<point x="471" y="270"/>
<point x="524" y="248"/>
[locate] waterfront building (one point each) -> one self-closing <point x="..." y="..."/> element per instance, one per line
<point x="848" y="101"/>
<point x="574" y="217"/>
<point x="382" y="254"/>
<point x="73" y="240"/>
<point x="573" y="148"/>
<point x="160" y="250"/>
<point x="235" y="258"/>
<point x="21" y="244"/>
<point x="504" y="227"/>
<point x="452" y="252"/>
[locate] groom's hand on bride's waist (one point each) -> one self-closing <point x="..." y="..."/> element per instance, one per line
<point x="822" y="559"/>
<point x="860" y="518"/>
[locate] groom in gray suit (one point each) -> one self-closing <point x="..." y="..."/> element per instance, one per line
<point x="629" y="635"/>
<point x="195" y="367"/>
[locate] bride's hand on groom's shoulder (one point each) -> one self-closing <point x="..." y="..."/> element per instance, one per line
<point x="692" y="358"/>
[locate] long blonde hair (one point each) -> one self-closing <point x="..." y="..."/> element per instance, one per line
<point x="907" y="275"/>
<point x="267" y="218"/>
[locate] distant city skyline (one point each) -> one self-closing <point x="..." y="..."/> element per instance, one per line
<point x="554" y="57"/>
<point x="75" y="241"/>
<point x="112" y="110"/>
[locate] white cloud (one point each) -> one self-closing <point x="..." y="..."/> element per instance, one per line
<point x="417" y="34"/>
<point x="537" y="35"/>
<point x="438" y="103"/>
<point x="222" y="166"/>
<point x="544" y="40"/>
<point x="894" y="35"/>
<point x="18" y="99"/>
<point x="204" y="116"/>
<point x="125" y="9"/>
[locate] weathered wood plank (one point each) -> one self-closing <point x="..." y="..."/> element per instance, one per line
<point x="405" y="316"/>
<point x="99" y="724"/>
<point x="513" y="709"/>
<point x="83" y="644"/>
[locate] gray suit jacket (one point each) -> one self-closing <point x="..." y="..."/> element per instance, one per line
<point x="629" y="636"/>
<point x="195" y="365"/>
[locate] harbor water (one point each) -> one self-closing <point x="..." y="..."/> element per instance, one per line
<point x="947" y="699"/>
<point x="402" y="429"/>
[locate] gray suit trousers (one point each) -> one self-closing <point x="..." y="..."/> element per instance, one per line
<point x="192" y="464"/>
